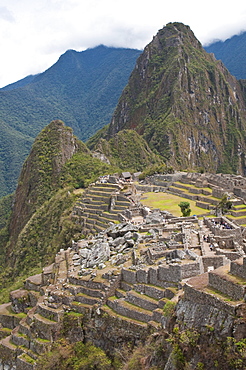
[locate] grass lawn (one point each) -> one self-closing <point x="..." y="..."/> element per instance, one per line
<point x="169" y="202"/>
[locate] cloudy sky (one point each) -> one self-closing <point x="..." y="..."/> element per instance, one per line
<point x="34" y="33"/>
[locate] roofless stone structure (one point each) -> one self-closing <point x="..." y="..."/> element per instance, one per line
<point x="116" y="282"/>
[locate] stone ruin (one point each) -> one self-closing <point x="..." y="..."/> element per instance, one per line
<point x="121" y="279"/>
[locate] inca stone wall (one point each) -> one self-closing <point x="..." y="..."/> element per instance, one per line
<point x="225" y="286"/>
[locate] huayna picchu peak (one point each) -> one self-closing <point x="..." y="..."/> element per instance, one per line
<point x="185" y="104"/>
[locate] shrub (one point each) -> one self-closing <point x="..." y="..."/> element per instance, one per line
<point x="185" y="208"/>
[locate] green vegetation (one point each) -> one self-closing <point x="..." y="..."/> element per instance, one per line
<point x="49" y="229"/>
<point x="5" y="209"/>
<point x="27" y="358"/>
<point x="168" y="309"/>
<point x="185" y="208"/>
<point x="190" y="349"/>
<point x="83" y="169"/>
<point x="188" y="343"/>
<point x="129" y="151"/>
<point x="169" y="202"/>
<point x="5" y="212"/>
<point x="232" y="54"/>
<point x="224" y="205"/>
<point x="41" y="223"/>
<point x="7" y="283"/>
<point x="82" y="89"/>
<point x="78" y="356"/>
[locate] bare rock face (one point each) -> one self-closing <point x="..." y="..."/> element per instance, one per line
<point x="185" y="104"/>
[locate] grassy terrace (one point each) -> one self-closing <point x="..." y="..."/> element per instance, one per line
<point x="222" y="296"/>
<point x="186" y="187"/>
<point x="169" y="202"/>
<point x="236" y="217"/>
<point x="240" y="207"/>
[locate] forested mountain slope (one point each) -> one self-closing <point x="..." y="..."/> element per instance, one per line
<point x="232" y="52"/>
<point x="82" y="89"/>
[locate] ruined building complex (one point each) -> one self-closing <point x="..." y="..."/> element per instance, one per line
<point x="112" y="286"/>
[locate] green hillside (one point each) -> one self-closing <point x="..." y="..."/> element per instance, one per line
<point x="232" y="52"/>
<point x="82" y="89"/>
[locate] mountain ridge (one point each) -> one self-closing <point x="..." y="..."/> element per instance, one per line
<point x="232" y="52"/>
<point x="81" y="88"/>
<point x="185" y="104"/>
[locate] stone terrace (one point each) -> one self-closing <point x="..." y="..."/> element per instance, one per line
<point x="205" y="189"/>
<point x="215" y="299"/>
<point x="126" y="274"/>
<point x="100" y="204"/>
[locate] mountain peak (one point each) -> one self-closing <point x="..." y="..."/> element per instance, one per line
<point x="185" y="104"/>
<point x="39" y="177"/>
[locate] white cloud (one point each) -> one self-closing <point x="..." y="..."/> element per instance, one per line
<point x="33" y="34"/>
<point x="5" y="14"/>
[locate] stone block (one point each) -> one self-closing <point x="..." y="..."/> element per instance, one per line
<point x="129" y="276"/>
<point x="226" y="286"/>
<point x="190" y="269"/>
<point x="206" y="299"/>
<point x="157" y="315"/>
<point x="45" y="328"/>
<point x="141" y="301"/>
<point x="50" y="313"/>
<point x="215" y="261"/>
<point x="23" y="364"/>
<point x="172" y="273"/>
<point x="126" y="309"/>
<point x="142" y="276"/>
<point x="34" y="282"/>
<point x="153" y="275"/>
<point x="154" y="292"/>
<point x="48" y="274"/>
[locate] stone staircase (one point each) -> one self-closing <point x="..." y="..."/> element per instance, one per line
<point x="22" y="346"/>
<point x="184" y="187"/>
